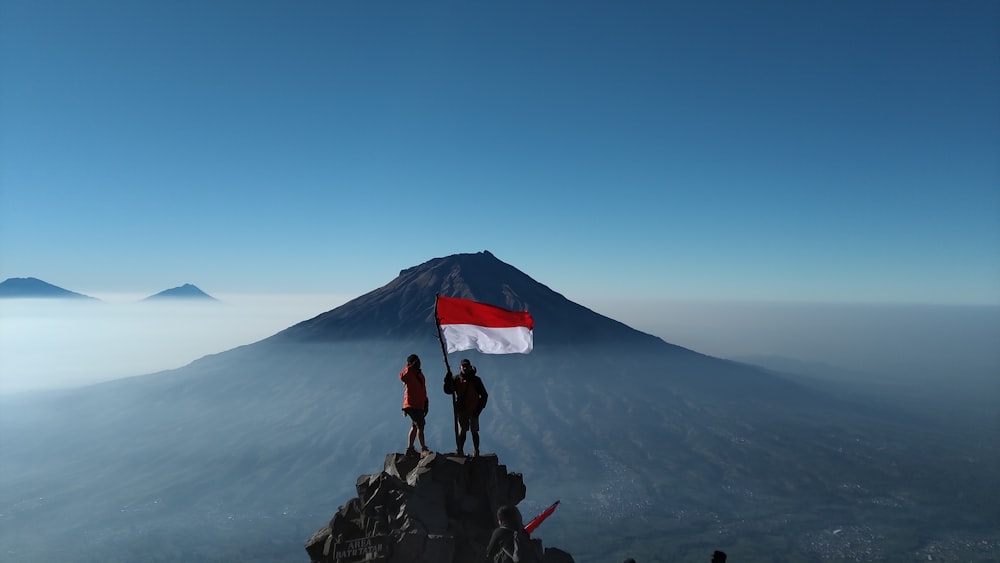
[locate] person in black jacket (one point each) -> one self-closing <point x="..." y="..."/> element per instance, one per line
<point x="510" y="538"/>
<point x="469" y="398"/>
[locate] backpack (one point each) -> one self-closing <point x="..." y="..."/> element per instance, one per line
<point x="523" y="549"/>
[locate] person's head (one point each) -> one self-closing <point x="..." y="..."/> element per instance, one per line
<point x="466" y="367"/>
<point x="509" y="516"/>
<point x="718" y="557"/>
<point x="413" y="361"/>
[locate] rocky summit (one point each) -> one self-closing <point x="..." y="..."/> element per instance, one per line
<point x="435" y="509"/>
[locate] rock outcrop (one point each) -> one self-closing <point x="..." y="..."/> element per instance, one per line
<point x="435" y="509"/>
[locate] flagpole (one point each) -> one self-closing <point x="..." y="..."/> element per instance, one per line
<point x="444" y="354"/>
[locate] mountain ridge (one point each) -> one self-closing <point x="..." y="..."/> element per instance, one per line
<point x="184" y="292"/>
<point x="404" y="308"/>
<point x="26" y="288"/>
<point x="30" y="287"/>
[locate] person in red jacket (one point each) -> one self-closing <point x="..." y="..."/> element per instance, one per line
<point x="415" y="403"/>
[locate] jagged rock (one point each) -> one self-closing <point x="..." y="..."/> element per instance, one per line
<point x="434" y="509"/>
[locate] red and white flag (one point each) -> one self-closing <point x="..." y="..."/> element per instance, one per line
<point x="468" y="325"/>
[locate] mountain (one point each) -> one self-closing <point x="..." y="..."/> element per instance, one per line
<point x="656" y="452"/>
<point x="35" y="288"/>
<point x="404" y="308"/>
<point x="186" y="291"/>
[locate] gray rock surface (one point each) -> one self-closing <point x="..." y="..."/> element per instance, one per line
<point x="435" y="509"/>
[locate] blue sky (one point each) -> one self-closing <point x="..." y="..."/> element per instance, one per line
<point x="767" y="151"/>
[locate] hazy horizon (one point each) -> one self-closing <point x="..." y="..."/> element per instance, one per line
<point x="59" y="343"/>
<point x="55" y="343"/>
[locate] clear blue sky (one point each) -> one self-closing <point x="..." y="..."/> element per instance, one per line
<point x="818" y="151"/>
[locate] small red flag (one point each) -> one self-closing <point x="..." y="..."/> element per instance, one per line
<point x="537" y="520"/>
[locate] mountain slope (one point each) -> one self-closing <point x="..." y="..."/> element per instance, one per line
<point x="404" y="308"/>
<point x="36" y="288"/>
<point x="186" y="291"/>
<point x="403" y="311"/>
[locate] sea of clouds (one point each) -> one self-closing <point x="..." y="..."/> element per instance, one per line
<point x="66" y="343"/>
<point x="46" y="343"/>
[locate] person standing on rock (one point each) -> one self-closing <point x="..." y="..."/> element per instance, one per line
<point x="415" y="403"/>
<point x="469" y="398"/>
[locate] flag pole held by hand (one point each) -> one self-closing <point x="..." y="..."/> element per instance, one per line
<point x="444" y="353"/>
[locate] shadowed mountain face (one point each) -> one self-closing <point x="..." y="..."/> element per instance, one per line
<point x="404" y="308"/>
<point x="655" y="451"/>
<point x="35" y="288"/>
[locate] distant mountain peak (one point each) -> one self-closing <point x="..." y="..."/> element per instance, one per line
<point x="186" y="291"/>
<point x="34" y="288"/>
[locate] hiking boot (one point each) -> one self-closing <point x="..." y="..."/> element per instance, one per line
<point x="475" y="453"/>
<point x="460" y="452"/>
<point x="424" y="450"/>
<point x="410" y="452"/>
